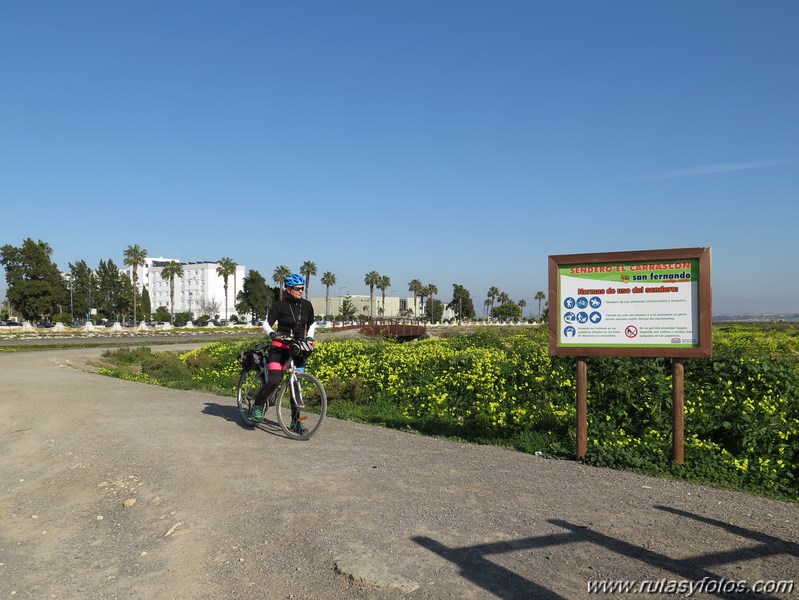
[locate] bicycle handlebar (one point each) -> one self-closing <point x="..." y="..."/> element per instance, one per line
<point x="295" y="345"/>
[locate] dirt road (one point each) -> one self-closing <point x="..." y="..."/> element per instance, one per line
<point x="112" y="489"/>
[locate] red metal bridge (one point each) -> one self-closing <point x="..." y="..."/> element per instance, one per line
<point x="401" y="330"/>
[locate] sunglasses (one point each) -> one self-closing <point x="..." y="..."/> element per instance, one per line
<point x="298" y="288"/>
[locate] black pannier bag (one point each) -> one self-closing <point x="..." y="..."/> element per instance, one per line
<point x="251" y="360"/>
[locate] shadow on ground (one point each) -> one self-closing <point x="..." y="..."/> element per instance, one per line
<point x="232" y="415"/>
<point x="476" y="565"/>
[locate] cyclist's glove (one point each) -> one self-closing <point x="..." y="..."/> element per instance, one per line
<point x="273" y="334"/>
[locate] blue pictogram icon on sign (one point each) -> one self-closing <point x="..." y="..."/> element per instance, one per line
<point x="595" y="317"/>
<point x="568" y="302"/>
<point x="569" y="317"/>
<point x="582" y="317"/>
<point x="595" y="301"/>
<point x="569" y="331"/>
<point x="582" y="302"/>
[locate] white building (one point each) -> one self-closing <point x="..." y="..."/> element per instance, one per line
<point x="200" y="291"/>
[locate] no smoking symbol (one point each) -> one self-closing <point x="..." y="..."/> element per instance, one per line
<point x="631" y="331"/>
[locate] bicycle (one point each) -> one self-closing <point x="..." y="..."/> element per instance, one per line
<point x="299" y="394"/>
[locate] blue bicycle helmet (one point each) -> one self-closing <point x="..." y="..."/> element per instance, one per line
<point x="294" y="280"/>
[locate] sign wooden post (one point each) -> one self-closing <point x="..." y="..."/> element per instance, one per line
<point x="582" y="407"/>
<point x="649" y="303"/>
<point x="677" y="410"/>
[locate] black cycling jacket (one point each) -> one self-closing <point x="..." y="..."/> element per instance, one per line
<point x="294" y="318"/>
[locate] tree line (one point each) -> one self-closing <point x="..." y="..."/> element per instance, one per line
<point x="38" y="291"/>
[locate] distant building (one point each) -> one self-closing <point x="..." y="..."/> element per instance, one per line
<point x="200" y="291"/>
<point x="395" y="306"/>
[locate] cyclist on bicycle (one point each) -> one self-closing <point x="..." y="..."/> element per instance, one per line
<point x="294" y="317"/>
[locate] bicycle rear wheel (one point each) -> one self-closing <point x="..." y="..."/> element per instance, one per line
<point x="310" y="416"/>
<point x="249" y="384"/>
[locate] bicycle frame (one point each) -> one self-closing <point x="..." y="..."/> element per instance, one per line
<point x="294" y="390"/>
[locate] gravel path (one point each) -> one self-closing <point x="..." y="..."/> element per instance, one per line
<point x="113" y="489"/>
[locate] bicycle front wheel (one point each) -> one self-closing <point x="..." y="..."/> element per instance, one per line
<point x="300" y="412"/>
<point x="249" y="384"/>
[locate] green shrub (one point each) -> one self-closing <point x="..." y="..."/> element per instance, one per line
<point x="126" y="356"/>
<point x="164" y="366"/>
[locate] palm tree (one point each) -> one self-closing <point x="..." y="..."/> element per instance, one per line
<point x="493" y="292"/>
<point x="422" y="296"/>
<point x="430" y="290"/>
<point x="372" y="278"/>
<point x="383" y="285"/>
<point x="134" y="258"/>
<point x="522" y="304"/>
<point x="503" y="298"/>
<point x="169" y="271"/>
<point x="279" y="275"/>
<point x="226" y="268"/>
<point x="415" y="286"/>
<point x="539" y="296"/>
<point x="327" y="280"/>
<point x="307" y="269"/>
<point x="486" y="305"/>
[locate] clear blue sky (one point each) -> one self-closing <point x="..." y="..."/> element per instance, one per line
<point x="452" y="141"/>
